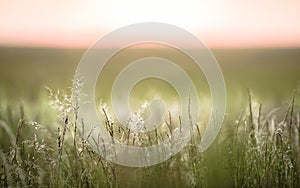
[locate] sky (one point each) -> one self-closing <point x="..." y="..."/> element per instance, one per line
<point x="218" y="23"/>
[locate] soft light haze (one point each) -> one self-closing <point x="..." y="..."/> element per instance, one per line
<point x="74" y="23"/>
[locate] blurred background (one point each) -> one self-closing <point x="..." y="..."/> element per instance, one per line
<point x="256" y="42"/>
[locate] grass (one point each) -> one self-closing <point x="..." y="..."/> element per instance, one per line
<point x="260" y="151"/>
<point x="268" y="151"/>
<point x="258" y="145"/>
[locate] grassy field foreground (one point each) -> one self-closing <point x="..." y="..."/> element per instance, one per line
<point x="261" y="150"/>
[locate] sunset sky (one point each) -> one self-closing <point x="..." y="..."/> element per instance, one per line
<point x="218" y="23"/>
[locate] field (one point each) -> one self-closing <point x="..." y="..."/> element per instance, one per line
<point x="258" y="146"/>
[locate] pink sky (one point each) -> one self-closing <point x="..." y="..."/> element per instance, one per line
<point x="218" y="23"/>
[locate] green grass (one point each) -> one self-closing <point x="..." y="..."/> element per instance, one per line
<point x="260" y="151"/>
<point x="258" y="145"/>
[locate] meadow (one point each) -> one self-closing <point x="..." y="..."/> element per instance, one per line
<point x="258" y="146"/>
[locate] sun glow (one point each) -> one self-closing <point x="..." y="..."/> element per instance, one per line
<point x="218" y="23"/>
